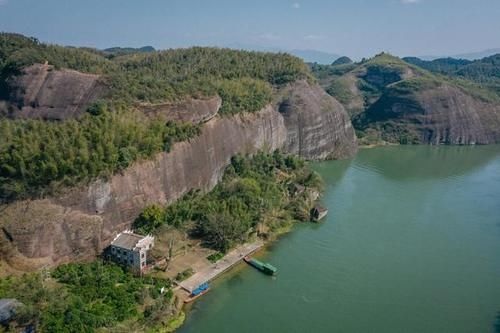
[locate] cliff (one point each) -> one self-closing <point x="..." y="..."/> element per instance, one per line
<point x="45" y="93"/>
<point x="78" y="224"/>
<point x="443" y="114"/>
<point x="398" y="102"/>
<point x="317" y="125"/>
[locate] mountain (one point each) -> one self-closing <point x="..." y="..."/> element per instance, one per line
<point x="442" y="65"/>
<point x="477" y="55"/>
<point x="89" y="141"/>
<point x="485" y="71"/>
<point x="118" y="51"/>
<point x="314" y="56"/>
<point x="395" y="101"/>
<point x="465" y="56"/>
<point x="309" y="56"/>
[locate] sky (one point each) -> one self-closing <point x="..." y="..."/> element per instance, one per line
<point x="356" y="28"/>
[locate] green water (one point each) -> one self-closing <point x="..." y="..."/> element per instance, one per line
<point x="411" y="244"/>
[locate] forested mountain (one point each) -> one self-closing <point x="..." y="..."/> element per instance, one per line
<point x="119" y="51"/>
<point x="441" y="66"/>
<point x="441" y="101"/>
<point x="37" y="156"/>
<point x="485" y="72"/>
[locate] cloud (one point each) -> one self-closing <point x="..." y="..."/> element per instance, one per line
<point x="267" y="36"/>
<point x="314" y="37"/>
<point x="295" y="5"/>
<point x="410" y="2"/>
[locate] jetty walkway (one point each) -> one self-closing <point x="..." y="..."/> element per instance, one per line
<point x="214" y="270"/>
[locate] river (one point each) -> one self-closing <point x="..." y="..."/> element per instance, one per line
<point x="411" y="244"/>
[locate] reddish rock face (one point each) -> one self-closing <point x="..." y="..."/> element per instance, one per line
<point x="318" y="127"/>
<point x="45" y="93"/>
<point x="54" y="233"/>
<point x="443" y="115"/>
<point x="80" y="223"/>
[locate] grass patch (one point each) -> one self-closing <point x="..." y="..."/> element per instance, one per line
<point x="214" y="257"/>
<point x="184" y="275"/>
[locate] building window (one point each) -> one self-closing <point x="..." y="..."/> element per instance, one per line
<point x="142" y="255"/>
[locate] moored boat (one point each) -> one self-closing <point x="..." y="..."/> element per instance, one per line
<point x="198" y="292"/>
<point x="318" y="213"/>
<point x="266" y="268"/>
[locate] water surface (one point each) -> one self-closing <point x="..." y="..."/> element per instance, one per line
<point x="411" y="244"/>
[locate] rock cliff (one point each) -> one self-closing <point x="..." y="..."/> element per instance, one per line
<point x="441" y="115"/>
<point x="317" y="125"/>
<point x="45" y="93"/>
<point x="392" y="100"/>
<point x="78" y="224"/>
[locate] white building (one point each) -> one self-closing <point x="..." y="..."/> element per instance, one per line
<point x="131" y="250"/>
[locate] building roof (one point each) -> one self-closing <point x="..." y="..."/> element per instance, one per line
<point x="8" y="308"/>
<point x="127" y="240"/>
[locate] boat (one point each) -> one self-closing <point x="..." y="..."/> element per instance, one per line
<point x="198" y="292"/>
<point x="318" y="213"/>
<point x="265" y="268"/>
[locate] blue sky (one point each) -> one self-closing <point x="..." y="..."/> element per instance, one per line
<point x="352" y="27"/>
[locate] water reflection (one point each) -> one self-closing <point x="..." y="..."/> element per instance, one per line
<point x="440" y="162"/>
<point x="332" y="176"/>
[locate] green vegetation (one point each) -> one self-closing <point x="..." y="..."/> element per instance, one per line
<point x="120" y="51"/>
<point x="181" y="276"/>
<point x="254" y="192"/>
<point x="245" y="94"/>
<point x="442" y="66"/>
<point x="160" y="76"/>
<point x="342" y="61"/>
<point x="175" y="323"/>
<point x="214" y="257"/>
<point x="86" y="297"/>
<point x="340" y="89"/>
<point x="322" y="72"/>
<point x="482" y="76"/>
<point x="37" y="157"/>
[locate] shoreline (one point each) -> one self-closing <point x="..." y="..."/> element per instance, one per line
<point x="181" y="294"/>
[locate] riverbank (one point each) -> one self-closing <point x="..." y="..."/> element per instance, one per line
<point x="405" y="261"/>
<point x="214" y="270"/>
<point x="207" y="271"/>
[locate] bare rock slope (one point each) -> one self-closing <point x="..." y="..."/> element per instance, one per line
<point x="318" y="127"/>
<point x="442" y="115"/>
<point x="45" y="93"/>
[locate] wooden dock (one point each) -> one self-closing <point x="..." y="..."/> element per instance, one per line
<point x="229" y="260"/>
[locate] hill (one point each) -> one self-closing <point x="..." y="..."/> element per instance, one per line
<point x="485" y="72"/>
<point x="71" y="115"/>
<point x="394" y="101"/>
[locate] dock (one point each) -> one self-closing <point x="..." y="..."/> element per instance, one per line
<point x="232" y="258"/>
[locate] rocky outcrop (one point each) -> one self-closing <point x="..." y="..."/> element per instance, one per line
<point x="443" y="115"/>
<point x="80" y="223"/>
<point x="190" y="110"/>
<point x="46" y="93"/>
<point x="318" y="127"/>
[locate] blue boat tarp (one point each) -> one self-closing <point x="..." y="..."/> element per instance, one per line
<point x="201" y="288"/>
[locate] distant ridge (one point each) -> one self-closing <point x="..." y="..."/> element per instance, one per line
<point x="128" y="50"/>
<point x="466" y="56"/>
<point x="312" y="56"/>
